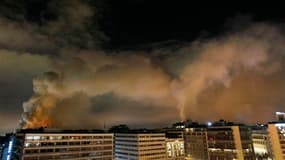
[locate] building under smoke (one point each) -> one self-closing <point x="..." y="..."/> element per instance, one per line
<point x="221" y="140"/>
<point x="230" y="142"/>
<point x="140" y="146"/>
<point x="276" y="133"/>
<point x="54" y="144"/>
<point x="261" y="143"/>
<point x="195" y="141"/>
<point x="175" y="149"/>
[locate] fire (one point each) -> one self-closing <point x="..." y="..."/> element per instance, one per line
<point x="40" y="116"/>
<point x="38" y="119"/>
<point x="34" y="123"/>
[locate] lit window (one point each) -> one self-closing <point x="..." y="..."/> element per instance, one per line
<point x="37" y="137"/>
<point x="27" y="144"/>
<point x="29" y="137"/>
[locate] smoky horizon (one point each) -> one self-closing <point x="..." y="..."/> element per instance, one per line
<point x="76" y="64"/>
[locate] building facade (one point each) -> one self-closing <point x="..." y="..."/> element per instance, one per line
<point x="175" y="149"/>
<point x="276" y="133"/>
<point x="195" y="142"/>
<point x="261" y="144"/>
<point x="83" y="146"/>
<point x="8" y="147"/>
<point x="140" y="146"/>
<point x="230" y="142"/>
<point x="174" y="144"/>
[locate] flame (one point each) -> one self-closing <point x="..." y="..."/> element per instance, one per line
<point x="40" y="116"/>
<point x="34" y="123"/>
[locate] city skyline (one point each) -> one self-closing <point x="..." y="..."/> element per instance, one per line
<point x="181" y="141"/>
<point x="76" y="64"/>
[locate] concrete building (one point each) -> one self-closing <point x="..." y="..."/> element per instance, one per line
<point x="140" y="146"/>
<point x="230" y="142"/>
<point x="64" y="145"/>
<point x="175" y="144"/>
<point x="261" y="143"/>
<point x="8" y="147"/>
<point x="276" y="133"/>
<point x="195" y="142"/>
<point x="175" y="149"/>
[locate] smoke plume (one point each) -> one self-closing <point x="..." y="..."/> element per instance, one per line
<point x="72" y="83"/>
<point x="219" y="81"/>
<point x="232" y="77"/>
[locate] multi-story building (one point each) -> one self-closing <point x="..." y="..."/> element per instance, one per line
<point x="230" y="142"/>
<point x="175" y="148"/>
<point x="140" y="146"/>
<point x="276" y="133"/>
<point x="2" y="145"/>
<point x="261" y="143"/>
<point x="195" y="142"/>
<point x="64" y="145"/>
<point x="8" y="147"/>
<point x="174" y="144"/>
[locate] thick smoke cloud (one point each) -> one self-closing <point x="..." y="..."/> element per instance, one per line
<point x="231" y="77"/>
<point x="235" y="76"/>
<point x="17" y="71"/>
<point x="73" y="82"/>
<point x="30" y="36"/>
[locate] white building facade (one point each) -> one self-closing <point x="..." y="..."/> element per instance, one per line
<point x="140" y="146"/>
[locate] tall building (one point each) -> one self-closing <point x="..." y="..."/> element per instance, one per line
<point x="230" y="142"/>
<point x="175" y="149"/>
<point x="8" y="147"/>
<point x="195" y="142"/>
<point x="140" y="146"/>
<point x="64" y="145"/>
<point x="261" y="143"/>
<point x="276" y="133"/>
<point x="175" y="144"/>
<point x="2" y="145"/>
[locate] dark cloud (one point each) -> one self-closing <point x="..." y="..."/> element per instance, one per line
<point x="49" y="26"/>
<point x="230" y="76"/>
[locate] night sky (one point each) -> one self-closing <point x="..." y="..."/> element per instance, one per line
<point x="141" y="22"/>
<point x="123" y="61"/>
